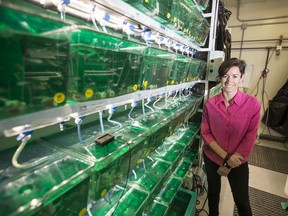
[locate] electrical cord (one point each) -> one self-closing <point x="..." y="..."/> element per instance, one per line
<point x="263" y="105"/>
<point x="202" y="208"/>
<point x="127" y="177"/>
<point x="256" y="86"/>
<point x="195" y="184"/>
<point x="263" y="92"/>
<point x="263" y="77"/>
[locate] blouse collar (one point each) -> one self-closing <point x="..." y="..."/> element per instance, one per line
<point x="237" y="99"/>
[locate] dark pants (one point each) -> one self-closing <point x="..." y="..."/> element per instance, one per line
<point x="238" y="179"/>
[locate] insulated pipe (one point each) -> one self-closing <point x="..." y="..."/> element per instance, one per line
<point x="237" y="48"/>
<point x="272" y="138"/>
<point x="259" y="24"/>
<point x="261" y="40"/>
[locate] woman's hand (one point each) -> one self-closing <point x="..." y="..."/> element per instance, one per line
<point x="223" y="171"/>
<point x="235" y="160"/>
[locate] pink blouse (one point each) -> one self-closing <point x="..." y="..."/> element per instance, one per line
<point x="233" y="128"/>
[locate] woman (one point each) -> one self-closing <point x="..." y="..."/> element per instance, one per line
<point x="229" y="129"/>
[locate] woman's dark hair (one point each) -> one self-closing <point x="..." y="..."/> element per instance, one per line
<point x="232" y="62"/>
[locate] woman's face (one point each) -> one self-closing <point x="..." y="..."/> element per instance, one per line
<point x="231" y="80"/>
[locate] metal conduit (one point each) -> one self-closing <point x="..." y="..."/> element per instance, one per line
<point x="255" y="48"/>
<point x="259" y="24"/>
<point x="260" y="40"/>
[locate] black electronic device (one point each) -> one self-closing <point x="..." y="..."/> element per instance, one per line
<point x="104" y="139"/>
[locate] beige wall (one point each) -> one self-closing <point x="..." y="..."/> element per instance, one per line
<point x="278" y="65"/>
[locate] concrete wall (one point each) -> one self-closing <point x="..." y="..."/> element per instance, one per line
<point x="260" y="30"/>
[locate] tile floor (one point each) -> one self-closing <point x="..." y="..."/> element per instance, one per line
<point x="261" y="179"/>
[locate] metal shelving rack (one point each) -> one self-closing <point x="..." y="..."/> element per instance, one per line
<point x="23" y="123"/>
<point x="130" y="12"/>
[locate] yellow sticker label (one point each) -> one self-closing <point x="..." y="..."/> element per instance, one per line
<point x="146" y="1"/>
<point x="135" y="87"/>
<point x="59" y="97"/>
<point x="145" y="83"/>
<point x="139" y="161"/>
<point x="167" y="82"/>
<point x="172" y="82"/>
<point x="103" y="192"/>
<point x="147" y="153"/>
<point x="82" y="212"/>
<point x="168" y="15"/>
<point x="89" y="93"/>
<point x="175" y="19"/>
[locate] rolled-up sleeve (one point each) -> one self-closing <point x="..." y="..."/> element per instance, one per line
<point x="246" y="145"/>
